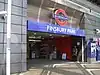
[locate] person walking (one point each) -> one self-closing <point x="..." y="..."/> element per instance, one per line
<point x="74" y="53"/>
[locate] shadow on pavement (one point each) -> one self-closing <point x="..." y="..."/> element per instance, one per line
<point x="38" y="63"/>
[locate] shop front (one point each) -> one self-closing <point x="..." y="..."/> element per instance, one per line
<point x="58" y="27"/>
<point x="63" y="44"/>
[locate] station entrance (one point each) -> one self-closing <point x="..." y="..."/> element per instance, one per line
<point x="53" y="46"/>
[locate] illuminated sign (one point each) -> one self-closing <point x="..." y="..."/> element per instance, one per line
<point x="60" y="17"/>
<point x="60" y="30"/>
<point x="51" y="28"/>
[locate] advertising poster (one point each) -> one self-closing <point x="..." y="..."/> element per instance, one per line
<point x="93" y="50"/>
<point x="64" y="56"/>
<point x="98" y="53"/>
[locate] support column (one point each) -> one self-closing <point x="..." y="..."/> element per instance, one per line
<point x="82" y="50"/>
<point x="8" y="49"/>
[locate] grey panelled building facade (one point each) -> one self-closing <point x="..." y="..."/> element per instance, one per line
<point x="18" y="37"/>
<point x="91" y="23"/>
<point x="19" y="33"/>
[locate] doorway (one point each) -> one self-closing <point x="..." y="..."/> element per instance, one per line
<point x="77" y="48"/>
<point x="42" y="45"/>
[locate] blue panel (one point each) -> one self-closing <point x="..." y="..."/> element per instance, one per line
<point x="52" y="28"/>
<point x="91" y="49"/>
<point x="98" y="53"/>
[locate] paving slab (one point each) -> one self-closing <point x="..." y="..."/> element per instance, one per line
<point x="31" y="72"/>
<point x="59" y="71"/>
<point x="40" y="67"/>
<point x="67" y="66"/>
<point x="73" y="72"/>
<point x="68" y="72"/>
<point x="92" y="66"/>
<point x="96" y="72"/>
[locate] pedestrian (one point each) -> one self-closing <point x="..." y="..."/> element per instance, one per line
<point x="74" y="53"/>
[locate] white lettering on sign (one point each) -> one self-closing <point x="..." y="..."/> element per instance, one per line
<point x="62" y="30"/>
<point x="56" y="29"/>
<point x="72" y="31"/>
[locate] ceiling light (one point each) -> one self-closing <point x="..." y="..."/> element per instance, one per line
<point x="42" y="38"/>
<point x="32" y="37"/>
<point x="34" y="33"/>
<point x="35" y="40"/>
<point x="50" y="35"/>
<point x="63" y="36"/>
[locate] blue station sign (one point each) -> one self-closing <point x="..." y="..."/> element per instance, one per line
<point x="51" y="28"/>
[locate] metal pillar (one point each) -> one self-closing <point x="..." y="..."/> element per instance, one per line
<point x="8" y="37"/>
<point x="82" y="50"/>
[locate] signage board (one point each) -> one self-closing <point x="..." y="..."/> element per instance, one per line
<point x="60" y="17"/>
<point x="93" y="50"/>
<point x="98" y="53"/>
<point x="51" y="28"/>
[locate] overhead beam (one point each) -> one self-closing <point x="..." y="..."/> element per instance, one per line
<point x="78" y="7"/>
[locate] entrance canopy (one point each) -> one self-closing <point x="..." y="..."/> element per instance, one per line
<point x="52" y="28"/>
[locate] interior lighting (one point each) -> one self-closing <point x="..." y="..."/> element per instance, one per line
<point x="34" y="33"/>
<point x="35" y="40"/>
<point x="50" y="35"/>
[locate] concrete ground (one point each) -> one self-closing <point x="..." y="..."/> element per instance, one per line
<point x="53" y="67"/>
<point x="93" y="69"/>
<point x="49" y="67"/>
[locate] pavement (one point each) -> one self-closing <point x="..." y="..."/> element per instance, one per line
<point x="92" y="69"/>
<point x="58" y="67"/>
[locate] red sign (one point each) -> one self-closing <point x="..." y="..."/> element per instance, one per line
<point x="61" y="17"/>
